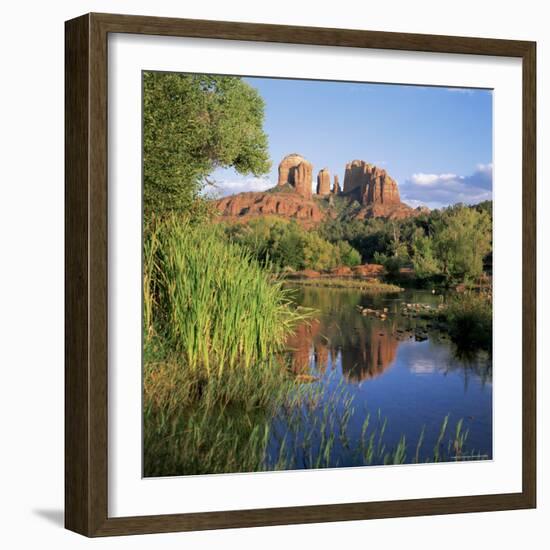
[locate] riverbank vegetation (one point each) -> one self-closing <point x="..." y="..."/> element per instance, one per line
<point x="214" y="319"/>
<point x="299" y="429"/>
<point x="214" y="324"/>
<point x="372" y="286"/>
<point x="469" y="318"/>
<point x="444" y="247"/>
<point x="286" y="245"/>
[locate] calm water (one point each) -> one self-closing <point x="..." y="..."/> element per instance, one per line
<point x="366" y="365"/>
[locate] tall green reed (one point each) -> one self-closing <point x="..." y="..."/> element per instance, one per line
<point x="210" y="300"/>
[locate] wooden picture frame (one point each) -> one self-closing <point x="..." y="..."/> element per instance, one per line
<point x="86" y="284"/>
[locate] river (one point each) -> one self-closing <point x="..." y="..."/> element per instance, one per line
<point x="360" y="367"/>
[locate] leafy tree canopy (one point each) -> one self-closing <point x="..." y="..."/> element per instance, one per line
<point x="462" y="238"/>
<point x="287" y="245"/>
<point x="193" y="124"/>
<point x="454" y="243"/>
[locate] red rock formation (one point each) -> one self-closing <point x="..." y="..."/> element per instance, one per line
<point x="368" y="270"/>
<point x="336" y="187"/>
<point x="354" y="175"/>
<point x="391" y="212"/>
<point x="373" y="184"/>
<point x="308" y="274"/>
<point x="342" y="271"/>
<point x="244" y="206"/>
<point x="377" y="192"/>
<point x="296" y="171"/>
<point x="292" y="198"/>
<point x="323" y="182"/>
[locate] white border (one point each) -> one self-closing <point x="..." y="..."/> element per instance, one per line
<point x="129" y="494"/>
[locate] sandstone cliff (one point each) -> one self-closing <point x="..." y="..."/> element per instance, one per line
<point x="295" y="170"/>
<point x="370" y="184"/>
<point x="375" y="190"/>
<point x="323" y="182"/>
<point x="336" y="188"/>
<point x="244" y="206"/>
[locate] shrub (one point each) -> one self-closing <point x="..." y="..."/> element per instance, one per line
<point x="348" y="255"/>
<point x="470" y="320"/>
<point x="288" y="245"/>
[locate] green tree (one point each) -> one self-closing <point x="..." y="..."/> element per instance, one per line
<point x="462" y="238"/>
<point x="319" y="254"/>
<point x="286" y="248"/>
<point x="424" y="263"/>
<point x="392" y="264"/>
<point x="193" y="124"/>
<point x="348" y="255"/>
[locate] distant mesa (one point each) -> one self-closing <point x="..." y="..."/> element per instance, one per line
<point x="372" y="187"/>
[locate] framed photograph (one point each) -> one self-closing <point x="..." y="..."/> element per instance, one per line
<point x="300" y="275"/>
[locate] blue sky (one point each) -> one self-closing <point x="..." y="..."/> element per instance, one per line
<point x="436" y="142"/>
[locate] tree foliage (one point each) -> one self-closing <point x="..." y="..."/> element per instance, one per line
<point x="452" y="244"/>
<point x="287" y="245"/>
<point x="193" y="124"/>
<point x="462" y="238"/>
<point x="424" y="262"/>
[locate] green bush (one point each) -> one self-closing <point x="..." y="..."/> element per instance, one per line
<point x="470" y="319"/>
<point x="392" y="264"/>
<point x="348" y="255"/>
<point x="286" y="245"/>
<point x="453" y="244"/>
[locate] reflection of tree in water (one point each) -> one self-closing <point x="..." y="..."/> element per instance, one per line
<point x="472" y="363"/>
<point x="367" y="346"/>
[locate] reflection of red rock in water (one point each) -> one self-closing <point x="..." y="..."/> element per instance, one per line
<point x="374" y="355"/>
<point x="321" y="357"/>
<point x="299" y="344"/>
<point x="362" y="359"/>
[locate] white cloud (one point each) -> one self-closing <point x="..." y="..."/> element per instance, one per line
<point x="233" y="186"/>
<point x="485" y="169"/>
<point x="438" y="190"/>
<point x="223" y="188"/>
<point x="430" y="179"/>
<point x="413" y="203"/>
